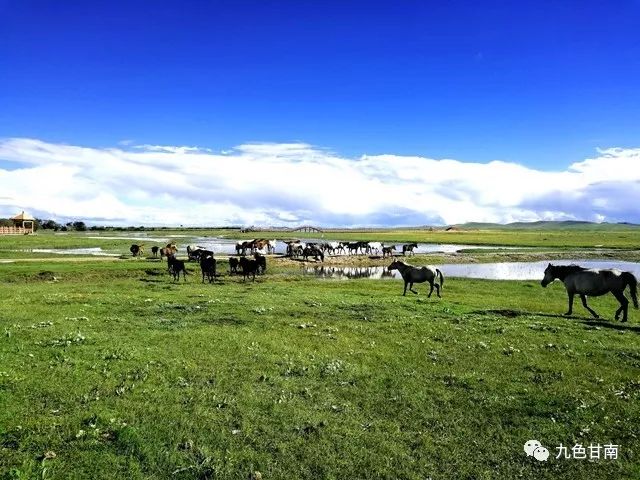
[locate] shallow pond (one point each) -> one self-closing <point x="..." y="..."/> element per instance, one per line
<point x="489" y="271"/>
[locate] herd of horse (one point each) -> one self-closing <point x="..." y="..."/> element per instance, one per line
<point x="297" y="248"/>
<point x="577" y="280"/>
<point x="208" y="263"/>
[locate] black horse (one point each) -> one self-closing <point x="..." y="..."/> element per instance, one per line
<point x="313" y="251"/>
<point x="154" y="250"/>
<point x="249" y="267"/>
<point x="175" y="267"/>
<point x="262" y="262"/>
<point x="233" y="265"/>
<point x="136" y="250"/>
<point x="388" y="251"/>
<point x="208" y="267"/>
<point x="594" y="282"/>
<point x="409" y="248"/>
<point x="412" y="275"/>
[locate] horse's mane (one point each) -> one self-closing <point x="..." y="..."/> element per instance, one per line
<point x="402" y="263"/>
<point x="572" y="268"/>
<point x="564" y="270"/>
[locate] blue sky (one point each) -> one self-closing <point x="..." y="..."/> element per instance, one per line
<point x="540" y="84"/>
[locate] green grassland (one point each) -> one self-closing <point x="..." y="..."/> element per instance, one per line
<point x="122" y="373"/>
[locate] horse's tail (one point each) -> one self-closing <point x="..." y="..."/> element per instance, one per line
<point x="631" y="280"/>
<point x="441" y="277"/>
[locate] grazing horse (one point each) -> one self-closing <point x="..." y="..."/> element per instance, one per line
<point x="594" y="282"/>
<point x="154" y="251"/>
<point x="387" y="251"/>
<point x="136" y="250"/>
<point x="233" y="265"/>
<point x="411" y="275"/>
<point x="262" y="262"/>
<point x="175" y="267"/>
<point x="208" y="267"/>
<point x="409" y="248"/>
<point x="249" y="267"/>
<point x="313" y="251"/>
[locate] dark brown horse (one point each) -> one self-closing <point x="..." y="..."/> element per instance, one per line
<point x="411" y="275"/>
<point x="594" y="282"/>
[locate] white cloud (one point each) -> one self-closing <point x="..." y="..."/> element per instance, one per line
<point x="276" y="184"/>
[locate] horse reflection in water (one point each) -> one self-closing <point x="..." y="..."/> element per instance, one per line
<point x="411" y="275"/>
<point x="593" y="282"/>
<point x="350" y="272"/>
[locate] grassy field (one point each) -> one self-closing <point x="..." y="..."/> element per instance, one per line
<point x="110" y="370"/>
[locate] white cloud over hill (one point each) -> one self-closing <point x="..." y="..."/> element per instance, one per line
<point x="294" y="183"/>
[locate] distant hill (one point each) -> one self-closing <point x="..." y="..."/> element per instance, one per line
<point x="546" y="225"/>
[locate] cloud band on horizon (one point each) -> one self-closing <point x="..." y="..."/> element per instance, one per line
<point x="288" y="184"/>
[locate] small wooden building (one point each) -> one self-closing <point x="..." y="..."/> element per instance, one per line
<point x="23" y="224"/>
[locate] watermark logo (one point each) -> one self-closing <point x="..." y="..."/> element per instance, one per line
<point x="594" y="451"/>
<point x="533" y="448"/>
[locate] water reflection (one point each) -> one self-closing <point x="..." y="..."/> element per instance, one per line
<point x="349" y="272"/>
<point x="489" y="271"/>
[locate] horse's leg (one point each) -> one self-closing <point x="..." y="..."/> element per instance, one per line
<point x="405" y="288"/>
<point x="624" y="305"/>
<point x="411" y="288"/>
<point x="431" y="290"/>
<point x="438" y="290"/>
<point x="584" y="304"/>
<point x="571" y="294"/>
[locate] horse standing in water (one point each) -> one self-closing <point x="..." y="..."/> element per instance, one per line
<point x="585" y="281"/>
<point x="411" y="275"/>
